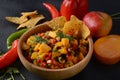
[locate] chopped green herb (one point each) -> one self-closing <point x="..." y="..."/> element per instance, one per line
<point x="54" y="50"/>
<point x="69" y="37"/>
<point x="39" y="39"/>
<point x="61" y="35"/>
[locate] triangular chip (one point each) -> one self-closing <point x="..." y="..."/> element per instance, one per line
<point x="76" y="28"/>
<point x="72" y="28"/>
<point x="26" y="14"/>
<point x="57" y="23"/>
<point x="84" y="30"/>
<point x="31" y="22"/>
<point x="16" y="20"/>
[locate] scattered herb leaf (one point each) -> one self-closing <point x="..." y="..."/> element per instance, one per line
<point x="61" y="35"/>
<point x="12" y="71"/>
<point x="39" y="39"/>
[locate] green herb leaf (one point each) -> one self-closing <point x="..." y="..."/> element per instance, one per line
<point x="39" y="39"/>
<point x="12" y="71"/>
<point x="61" y="35"/>
<point x="69" y="37"/>
<point x="36" y="38"/>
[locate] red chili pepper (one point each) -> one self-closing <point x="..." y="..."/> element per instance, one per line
<point x="54" y="12"/>
<point x="74" y="7"/>
<point x="10" y="56"/>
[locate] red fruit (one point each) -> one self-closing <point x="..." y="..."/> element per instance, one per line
<point x="68" y="8"/>
<point x="99" y="23"/>
<point x="82" y="8"/>
<point x="74" y="7"/>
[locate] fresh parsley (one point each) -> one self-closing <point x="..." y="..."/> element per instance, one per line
<point x="40" y="39"/>
<point x="61" y="35"/>
<point x="12" y="71"/>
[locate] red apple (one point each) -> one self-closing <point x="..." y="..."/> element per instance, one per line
<point x="99" y="23"/>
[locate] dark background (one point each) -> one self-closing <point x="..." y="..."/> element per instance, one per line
<point x="94" y="70"/>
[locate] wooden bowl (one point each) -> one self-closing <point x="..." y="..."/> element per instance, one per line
<point x="51" y="74"/>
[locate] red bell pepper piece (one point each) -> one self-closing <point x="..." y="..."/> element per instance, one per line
<point x="54" y="12"/>
<point x="74" y="7"/>
<point x="10" y="56"/>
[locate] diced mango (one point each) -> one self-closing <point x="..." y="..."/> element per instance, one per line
<point x="30" y="41"/>
<point x="52" y="34"/>
<point x="62" y="51"/>
<point x="65" y="42"/>
<point x="58" y="44"/>
<point x="37" y="47"/>
<point x="44" y="48"/>
<point x="55" y="54"/>
<point x="34" y="55"/>
<point x="41" y="56"/>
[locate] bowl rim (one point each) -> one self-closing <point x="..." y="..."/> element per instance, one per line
<point x="90" y="51"/>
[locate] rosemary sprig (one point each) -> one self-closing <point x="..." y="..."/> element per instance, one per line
<point x="12" y="71"/>
<point x="116" y="15"/>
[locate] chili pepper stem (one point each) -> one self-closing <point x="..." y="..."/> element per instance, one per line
<point x="115" y="17"/>
<point x="116" y="14"/>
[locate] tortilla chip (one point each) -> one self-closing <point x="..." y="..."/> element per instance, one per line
<point x="26" y="14"/>
<point x="76" y="28"/>
<point x="31" y="22"/>
<point x="71" y="28"/>
<point x="57" y="23"/>
<point x="16" y="20"/>
<point x="85" y="32"/>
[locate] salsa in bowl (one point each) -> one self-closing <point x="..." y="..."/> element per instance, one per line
<point x="53" y="54"/>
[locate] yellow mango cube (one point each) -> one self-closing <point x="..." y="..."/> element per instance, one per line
<point x="44" y="48"/>
<point x="34" y="55"/>
<point x="37" y="47"/>
<point x="55" y="54"/>
<point x="62" y="51"/>
<point x="58" y="44"/>
<point x="65" y="41"/>
<point x="41" y="56"/>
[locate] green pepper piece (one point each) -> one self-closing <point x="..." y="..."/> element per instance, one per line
<point x="61" y="60"/>
<point x="14" y="36"/>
